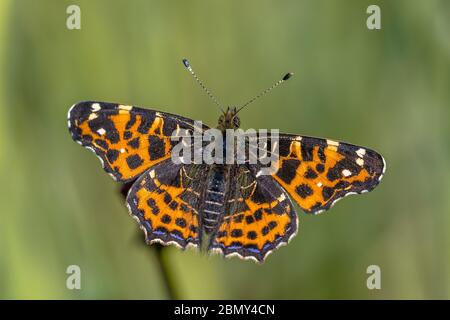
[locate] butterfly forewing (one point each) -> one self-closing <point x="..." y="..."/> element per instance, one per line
<point x="128" y="140"/>
<point x="318" y="172"/>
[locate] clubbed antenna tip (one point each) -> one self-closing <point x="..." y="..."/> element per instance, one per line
<point x="287" y="76"/>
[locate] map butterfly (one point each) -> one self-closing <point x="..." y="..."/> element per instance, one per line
<point x="230" y="209"/>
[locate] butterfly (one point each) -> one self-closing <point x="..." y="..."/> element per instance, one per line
<point x="228" y="208"/>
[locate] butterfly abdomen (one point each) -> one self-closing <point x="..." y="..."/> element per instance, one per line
<point x="214" y="199"/>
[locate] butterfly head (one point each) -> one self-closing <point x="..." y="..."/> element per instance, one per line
<point x="229" y="119"/>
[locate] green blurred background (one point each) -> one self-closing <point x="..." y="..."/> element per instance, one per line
<point x="386" y="89"/>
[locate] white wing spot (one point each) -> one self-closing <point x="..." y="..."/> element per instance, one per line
<point x="92" y="116"/>
<point x="361" y="152"/>
<point x="101" y="131"/>
<point x="319" y="184"/>
<point x="152" y="174"/>
<point x="123" y="107"/>
<point x="95" y="107"/>
<point x="346" y="173"/>
<point x="332" y="143"/>
<point x="122" y="150"/>
<point x="281" y="198"/>
<point x="360" y="162"/>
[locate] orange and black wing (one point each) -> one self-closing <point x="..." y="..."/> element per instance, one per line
<point x="318" y="172"/>
<point x="165" y="201"/>
<point x="259" y="218"/>
<point x="128" y="140"/>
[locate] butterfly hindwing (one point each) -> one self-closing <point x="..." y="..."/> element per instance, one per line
<point x="128" y="140"/>
<point x="165" y="202"/>
<point x="259" y="219"/>
<point x="318" y="172"/>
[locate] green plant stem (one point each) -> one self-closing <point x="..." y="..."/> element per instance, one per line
<point x="161" y="259"/>
<point x="164" y="268"/>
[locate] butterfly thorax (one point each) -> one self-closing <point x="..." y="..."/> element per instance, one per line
<point x="229" y="120"/>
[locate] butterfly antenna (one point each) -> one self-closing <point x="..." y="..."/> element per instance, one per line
<point x="276" y="84"/>
<point x="188" y="66"/>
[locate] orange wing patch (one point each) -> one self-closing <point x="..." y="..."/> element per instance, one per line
<point x="318" y="172"/>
